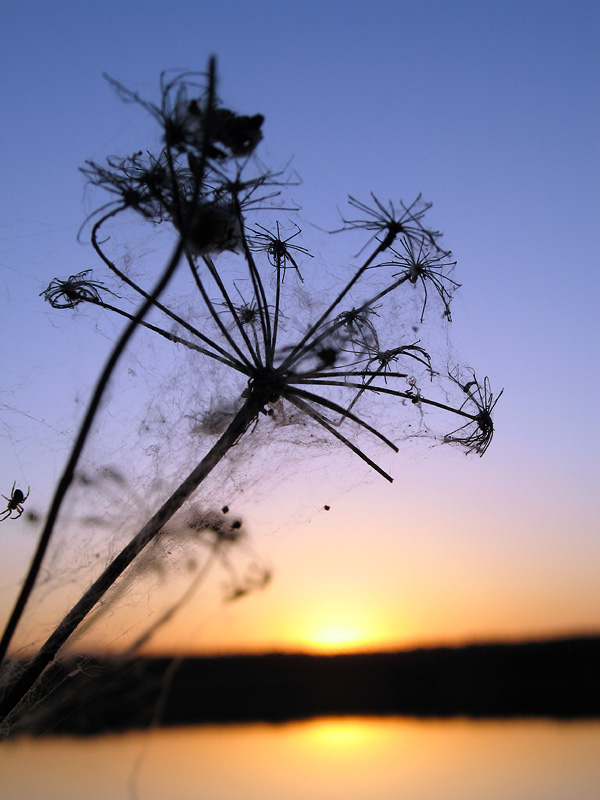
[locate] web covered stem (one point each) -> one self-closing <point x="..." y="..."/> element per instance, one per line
<point x="171" y="337"/>
<point x="311" y="412"/>
<point x="337" y="323"/>
<point x="209" y="305"/>
<point x="69" y="471"/>
<point x="46" y="654"/>
<point x="278" y="268"/>
<point x="155" y="302"/>
<point x="260" y="297"/>
<point x="232" y="310"/>
<point x="301" y="347"/>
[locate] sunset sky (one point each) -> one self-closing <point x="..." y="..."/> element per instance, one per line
<point x="491" y="110"/>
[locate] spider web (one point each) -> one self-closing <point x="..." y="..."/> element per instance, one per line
<point x="167" y="404"/>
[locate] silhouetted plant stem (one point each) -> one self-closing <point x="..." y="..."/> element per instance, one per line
<point x="215" y="316"/>
<point x="46" y="654"/>
<point x="84" y="430"/>
<point x="230" y="306"/>
<point x="169" y="312"/>
<point x="171" y="337"/>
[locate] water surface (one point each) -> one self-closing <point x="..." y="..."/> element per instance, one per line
<point x="349" y="759"/>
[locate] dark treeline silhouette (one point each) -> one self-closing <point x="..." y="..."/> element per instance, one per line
<point x="552" y="678"/>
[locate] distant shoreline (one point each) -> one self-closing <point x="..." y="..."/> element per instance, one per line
<point x="558" y="678"/>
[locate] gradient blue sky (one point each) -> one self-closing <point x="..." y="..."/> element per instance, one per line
<point x="491" y="110"/>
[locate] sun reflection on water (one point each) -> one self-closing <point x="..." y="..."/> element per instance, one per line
<point x="351" y="737"/>
<point x="321" y="759"/>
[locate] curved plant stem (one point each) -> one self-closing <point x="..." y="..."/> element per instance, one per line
<point x="46" y="654"/>
<point x="84" y="430"/>
<point x="171" y="337"/>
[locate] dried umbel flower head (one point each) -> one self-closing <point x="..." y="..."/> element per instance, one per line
<point x="225" y="133"/>
<point x="360" y="326"/>
<point x="476" y="435"/>
<point x="214" y="228"/>
<point x="278" y="250"/>
<point x="202" y="140"/>
<point x="342" y="353"/>
<point x="193" y="122"/>
<point x="239" y="134"/>
<point x="388" y="223"/>
<point x="425" y="264"/>
<point x="70" y="292"/>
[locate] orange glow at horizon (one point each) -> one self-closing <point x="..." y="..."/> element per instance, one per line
<point x="337" y="638"/>
<point x="342" y="627"/>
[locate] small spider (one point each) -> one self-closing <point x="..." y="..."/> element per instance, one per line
<point x="15" y="503"/>
<point x="74" y="290"/>
<point x="248" y="313"/>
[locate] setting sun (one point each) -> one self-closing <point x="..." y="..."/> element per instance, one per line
<point x="337" y="626"/>
<point x="334" y="637"/>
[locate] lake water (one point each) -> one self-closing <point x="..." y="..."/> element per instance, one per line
<point x="349" y="759"/>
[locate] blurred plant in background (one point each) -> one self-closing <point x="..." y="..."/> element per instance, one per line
<point x="288" y="349"/>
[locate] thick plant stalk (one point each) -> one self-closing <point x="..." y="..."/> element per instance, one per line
<point x="238" y="426"/>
